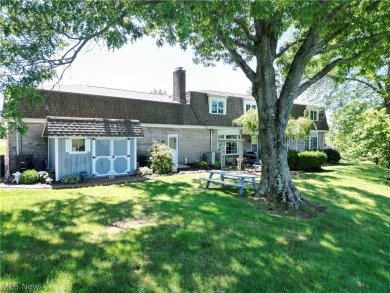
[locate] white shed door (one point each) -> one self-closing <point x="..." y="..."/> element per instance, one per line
<point x="110" y="156"/>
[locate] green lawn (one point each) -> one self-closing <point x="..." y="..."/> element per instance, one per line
<point x="2" y="146"/>
<point x="175" y="236"/>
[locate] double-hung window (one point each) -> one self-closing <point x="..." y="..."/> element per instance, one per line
<point x="217" y="105"/>
<point x="313" y="115"/>
<point x="249" y="105"/>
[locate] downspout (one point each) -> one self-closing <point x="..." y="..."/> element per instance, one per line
<point x="17" y="143"/>
<point x="211" y="139"/>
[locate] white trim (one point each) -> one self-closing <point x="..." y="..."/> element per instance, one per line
<point x="90" y="137"/>
<point x="175" y="150"/>
<point x="134" y="146"/>
<point x="43" y="130"/>
<point x="69" y="141"/>
<point x="218" y="99"/>
<point x="48" y="156"/>
<point x="56" y="159"/>
<point x="128" y="148"/>
<point x="34" y="120"/>
<point x="249" y="102"/>
<point x="17" y="144"/>
<point x="151" y="125"/>
<point x="228" y="132"/>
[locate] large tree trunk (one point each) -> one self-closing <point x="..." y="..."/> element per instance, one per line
<point x="273" y="111"/>
<point x="276" y="183"/>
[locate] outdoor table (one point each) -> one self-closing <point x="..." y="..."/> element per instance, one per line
<point x="244" y="180"/>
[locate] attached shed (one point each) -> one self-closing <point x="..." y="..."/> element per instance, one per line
<point x="99" y="147"/>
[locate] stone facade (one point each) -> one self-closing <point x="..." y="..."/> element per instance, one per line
<point x="32" y="143"/>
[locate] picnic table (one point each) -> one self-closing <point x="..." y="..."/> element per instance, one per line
<point x="236" y="180"/>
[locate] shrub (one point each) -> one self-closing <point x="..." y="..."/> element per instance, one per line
<point x="332" y="156"/>
<point x="217" y="165"/>
<point x="29" y="177"/>
<point x="311" y="160"/>
<point x="201" y="164"/>
<point x="70" y="179"/>
<point x="293" y="159"/>
<point x="160" y="158"/>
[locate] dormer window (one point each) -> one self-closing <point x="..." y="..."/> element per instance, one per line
<point x="217" y="105"/>
<point x="313" y="115"/>
<point x="249" y="105"/>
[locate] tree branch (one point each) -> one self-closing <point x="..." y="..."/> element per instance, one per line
<point x="336" y="12"/>
<point x="245" y="28"/>
<point x="363" y="82"/>
<point x="353" y="41"/>
<point x="328" y="68"/>
<point x="237" y="58"/>
<point x="245" y="46"/>
<point x="285" y="48"/>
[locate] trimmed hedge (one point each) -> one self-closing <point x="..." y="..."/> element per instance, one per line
<point x="332" y="156"/>
<point x="311" y="160"/>
<point x="307" y="160"/>
<point x="293" y="159"/>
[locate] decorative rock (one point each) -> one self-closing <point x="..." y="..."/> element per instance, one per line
<point x="17" y="177"/>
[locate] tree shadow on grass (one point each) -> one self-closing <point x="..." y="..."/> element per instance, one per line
<point x="203" y="240"/>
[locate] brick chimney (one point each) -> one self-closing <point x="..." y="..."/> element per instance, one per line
<point x="179" y="85"/>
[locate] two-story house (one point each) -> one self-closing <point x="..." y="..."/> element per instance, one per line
<point x="103" y="131"/>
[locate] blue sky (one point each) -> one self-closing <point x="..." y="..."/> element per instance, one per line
<point x="143" y="66"/>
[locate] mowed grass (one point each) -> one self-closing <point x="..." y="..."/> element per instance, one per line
<point x="169" y="234"/>
<point x="2" y="146"/>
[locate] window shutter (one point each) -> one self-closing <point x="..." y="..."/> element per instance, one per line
<point x="68" y="145"/>
<point x="87" y="145"/>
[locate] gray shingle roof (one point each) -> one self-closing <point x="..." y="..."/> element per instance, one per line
<point x="226" y="94"/>
<point x="109" y="92"/>
<point x="147" y="108"/>
<point x="96" y="127"/>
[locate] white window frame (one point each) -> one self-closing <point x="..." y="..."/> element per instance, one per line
<point x="69" y="143"/>
<point x="217" y="99"/>
<point x="251" y="104"/>
<point x="224" y="136"/>
<point x="313" y="134"/>
<point x="316" y="114"/>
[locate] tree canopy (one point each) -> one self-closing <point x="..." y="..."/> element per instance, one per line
<point x="303" y="40"/>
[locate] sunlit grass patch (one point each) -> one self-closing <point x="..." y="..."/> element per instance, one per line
<point x="174" y="235"/>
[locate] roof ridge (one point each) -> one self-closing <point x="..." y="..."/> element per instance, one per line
<point x="58" y="87"/>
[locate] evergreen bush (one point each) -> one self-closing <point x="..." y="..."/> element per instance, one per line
<point x="332" y="156"/>
<point x="29" y="177"/>
<point x="160" y="158"/>
<point x="311" y="160"/>
<point x="293" y="159"/>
